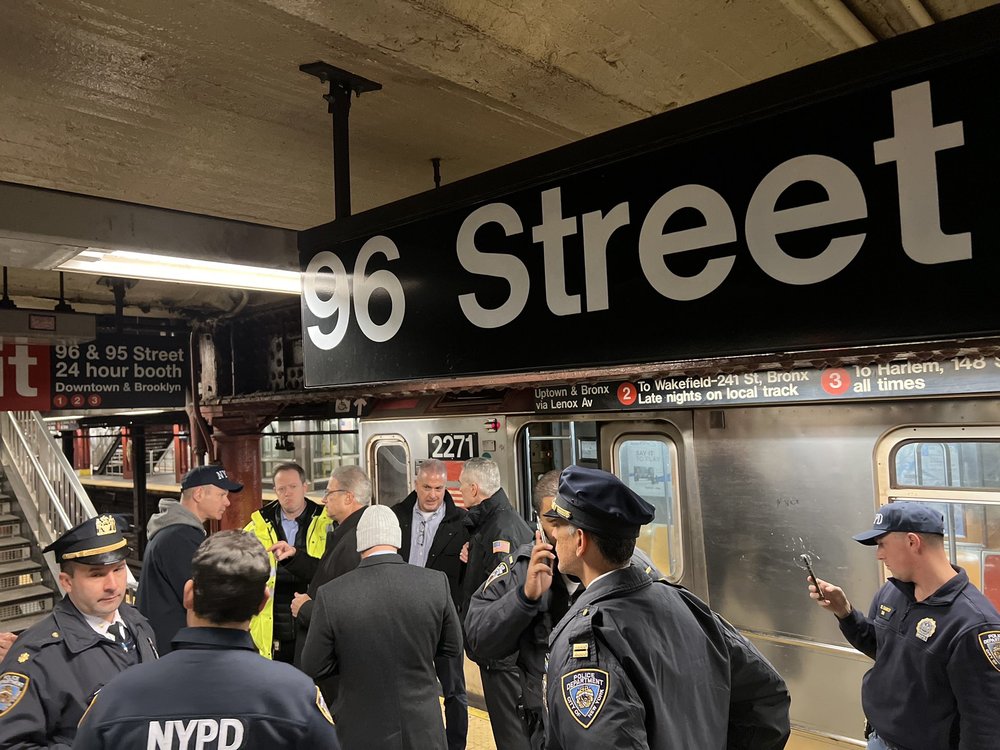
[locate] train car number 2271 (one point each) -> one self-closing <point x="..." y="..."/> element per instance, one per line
<point x="453" y="446"/>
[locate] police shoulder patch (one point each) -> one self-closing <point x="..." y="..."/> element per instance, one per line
<point x="13" y="686"/>
<point x="585" y="691"/>
<point x="990" y="643"/>
<point x="321" y="705"/>
<point x="498" y="572"/>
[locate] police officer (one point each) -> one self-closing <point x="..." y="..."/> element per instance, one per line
<point x="213" y="691"/>
<point x="934" y="637"/>
<point x="55" y="667"/>
<point x="506" y="616"/>
<point x="631" y="665"/>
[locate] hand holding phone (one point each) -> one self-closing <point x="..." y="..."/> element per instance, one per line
<point x="807" y="561"/>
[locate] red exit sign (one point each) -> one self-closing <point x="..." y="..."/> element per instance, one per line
<point x="25" y="377"/>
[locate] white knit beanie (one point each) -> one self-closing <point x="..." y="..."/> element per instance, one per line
<point x="378" y="525"/>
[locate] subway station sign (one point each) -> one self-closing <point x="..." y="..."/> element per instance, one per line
<point x="111" y="372"/>
<point x="849" y="203"/>
<point x="960" y="375"/>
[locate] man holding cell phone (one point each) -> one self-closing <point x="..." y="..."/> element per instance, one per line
<point x="934" y="637"/>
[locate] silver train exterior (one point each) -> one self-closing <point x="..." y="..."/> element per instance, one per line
<point x="754" y="487"/>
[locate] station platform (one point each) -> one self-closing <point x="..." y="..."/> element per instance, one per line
<point x="480" y="732"/>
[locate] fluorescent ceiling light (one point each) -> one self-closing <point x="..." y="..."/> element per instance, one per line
<point x="183" y="270"/>
<point x="66" y="418"/>
<point x="137" y="412"/>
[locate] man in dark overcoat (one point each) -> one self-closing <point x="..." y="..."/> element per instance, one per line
<point x="379" y="628"/>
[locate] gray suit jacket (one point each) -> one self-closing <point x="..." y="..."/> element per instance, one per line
<point x="379" y="628"/>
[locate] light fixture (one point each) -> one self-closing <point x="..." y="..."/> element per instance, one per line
<point x="133" y="265"/>
<point x="63" y="418"/>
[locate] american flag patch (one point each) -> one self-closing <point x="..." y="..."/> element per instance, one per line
<point x="501" y="546"/>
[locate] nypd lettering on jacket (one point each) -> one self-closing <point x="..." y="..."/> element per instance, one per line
<point x="196" y="734"/>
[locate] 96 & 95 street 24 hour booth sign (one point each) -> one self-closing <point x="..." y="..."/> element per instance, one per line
<point x="111" y="372"/>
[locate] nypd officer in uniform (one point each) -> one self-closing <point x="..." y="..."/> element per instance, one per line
<point x="632" y="665"/>
<point x="214" y="691"/>
<point x="55" y="667"/>
<point x="933" y="635"/>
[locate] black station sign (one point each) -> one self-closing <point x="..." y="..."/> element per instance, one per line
<point x="836" y="206"/>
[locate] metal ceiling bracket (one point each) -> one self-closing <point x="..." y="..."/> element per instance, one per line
<point x="342" y="84"/>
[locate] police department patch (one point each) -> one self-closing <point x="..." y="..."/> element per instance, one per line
<point x="13" y="686"/>
<point x="321" y="705"/>
<point x="498" y="572"/>
<point x="585" y="692"/>
<point x="990" y="642"/>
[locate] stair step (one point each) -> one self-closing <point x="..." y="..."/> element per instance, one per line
<point x="24" y="592"/>
<point x="20" y="624"/>
<point x="18" y="566"/>
<point x="13" y="541"/>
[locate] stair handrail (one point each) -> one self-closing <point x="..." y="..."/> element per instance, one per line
<point x="58" y="500"/>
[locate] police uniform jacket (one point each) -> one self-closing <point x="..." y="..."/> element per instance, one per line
<point x="502" y="621"/>
<point x="633" y="666"/>
<point x="495" y="532"/>
<point x="936" y="678"/>
<point x="213" y="691"/>
<point x="382" y="645"/>
<point x="53" y="670"/>
<point x="446" y="548"/>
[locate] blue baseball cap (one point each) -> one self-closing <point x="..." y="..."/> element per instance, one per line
<point x="202" y="475"/>
<point x="600" y="502"/>
<point x="903" y="516"/>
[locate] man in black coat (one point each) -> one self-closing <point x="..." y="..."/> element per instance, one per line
<point x="433" y="535"/>
<point x="495" y="531"/>
<point x="53" y="670"/>
<point x="383" y="643"/>
<point x="214" y="690"/>
<point x="174" y="535"/>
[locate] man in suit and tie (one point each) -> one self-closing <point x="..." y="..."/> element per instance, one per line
<point x="383" y="644"/>
<point x="433" y="534"/>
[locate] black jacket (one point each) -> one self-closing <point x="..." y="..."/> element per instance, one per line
<point x="287" y="584"/>
<point x="445" y="551"/>
<point x="341" y="556"/>
<point x="495" y="533"/>
<point x="632" y="666"/>
<point x="215" y="688"/>
<point x="174" y="535"/>
<point x="53" y="670"/>
<point x="936" y="678"/>
<point x="382" y="646"/>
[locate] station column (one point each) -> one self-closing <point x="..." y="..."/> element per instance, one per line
<point x="236" y="433"/>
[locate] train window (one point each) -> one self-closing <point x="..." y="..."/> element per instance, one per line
<point x="648" y="465"/>
<point x="390" y="457"/>
<point x="334" y="444"/>
<point x="948" y="464"/>
<point x="959" y="477"/>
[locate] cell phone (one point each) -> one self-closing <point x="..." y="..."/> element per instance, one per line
<point x="807" y="561"/>
<point x="539" y="537"/>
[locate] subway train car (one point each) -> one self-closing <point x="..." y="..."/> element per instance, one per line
<point x="742" y="490"/>
<point x="768" y="312"/>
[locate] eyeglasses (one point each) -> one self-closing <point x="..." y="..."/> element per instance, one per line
<point x="332" y="492"/>
<point x="421" y="534"/>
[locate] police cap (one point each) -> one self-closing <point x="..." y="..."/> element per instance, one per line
<point x="600" y="502"/>
<point x="202" y="475"/>
<point x="96" y="541"/>
<point x="902" y="516"/>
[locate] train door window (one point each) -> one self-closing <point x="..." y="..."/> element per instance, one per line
<point x="389" y="457"/>
<point x="648" y="465"/>
<point x="957" y="472"/>
<point x="555" y="445"/>
<point x="333" y="444"/>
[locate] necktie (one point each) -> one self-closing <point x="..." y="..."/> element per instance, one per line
<point x="122" y="636"/>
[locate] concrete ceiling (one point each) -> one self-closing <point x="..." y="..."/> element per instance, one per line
<point x="200" y="106"/>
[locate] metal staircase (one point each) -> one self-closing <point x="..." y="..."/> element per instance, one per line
<point x="45" y="499"/>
